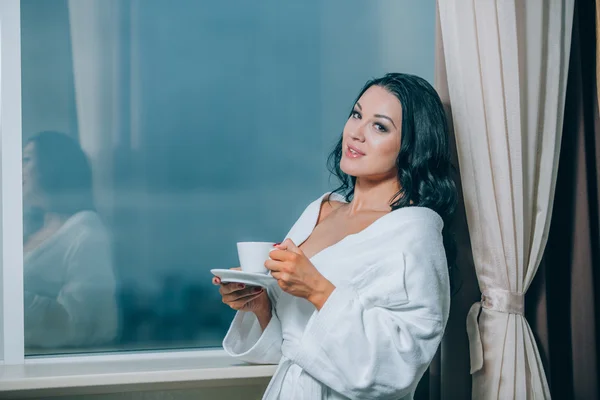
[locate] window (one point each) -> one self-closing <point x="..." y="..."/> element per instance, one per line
<point x="158" y="133"/>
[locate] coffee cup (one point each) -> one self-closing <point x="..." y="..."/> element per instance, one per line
<point x="252" y="256"/>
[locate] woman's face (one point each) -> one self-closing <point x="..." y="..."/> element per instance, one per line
<point x="32" y="196"/>
<point x="372" y="136"/>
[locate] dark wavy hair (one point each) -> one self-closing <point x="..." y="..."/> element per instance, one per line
<point x="425" y="171"/>
<point x="63" y="172"/>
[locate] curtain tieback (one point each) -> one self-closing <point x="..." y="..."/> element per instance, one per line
<point x="496" y="300"/>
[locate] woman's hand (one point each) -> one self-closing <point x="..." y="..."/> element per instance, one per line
<point x="246" y="298"/>
<point x="297" y="276"/>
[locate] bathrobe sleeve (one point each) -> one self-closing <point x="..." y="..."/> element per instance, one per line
<point x="84" y="312"/>
<point x="246" y="341"/>
<point x="375" y="337"/>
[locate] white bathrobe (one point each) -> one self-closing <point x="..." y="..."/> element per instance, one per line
<point x="69" y="286"/>
<point x="380" y="328"/>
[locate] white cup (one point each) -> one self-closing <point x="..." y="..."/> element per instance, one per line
<point x="253" y="255"/>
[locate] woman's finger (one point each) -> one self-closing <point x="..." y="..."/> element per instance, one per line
<point x="232" y="300"/>
<point x="282" y="277"/>
<point x="290" y="246"/>
<point x="227" y="288"/>
<point x="240" y="294"/>
<point x="238" y="305"/>
<point x="275" y="275"/>
<point x="273" y="265"/>
<point x="280" y="255"/>
<point x="217" y="281"/>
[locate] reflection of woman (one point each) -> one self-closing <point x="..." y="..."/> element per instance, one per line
<point x="363" y="289"/>
<point x="68" y="278"/>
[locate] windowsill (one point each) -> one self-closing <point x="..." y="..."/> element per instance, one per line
<point x="121" y="372"/>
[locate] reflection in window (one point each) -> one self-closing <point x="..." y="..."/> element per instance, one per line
<point x="68" y="274"/>
<point x="203" y="124"/>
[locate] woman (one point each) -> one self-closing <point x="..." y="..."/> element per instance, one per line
<point x="363" y="289"/>
<point x="68" y="277"/>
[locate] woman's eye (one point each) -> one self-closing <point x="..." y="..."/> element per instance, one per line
<point x="380" y="128"/>
<point x="355" y="114"/>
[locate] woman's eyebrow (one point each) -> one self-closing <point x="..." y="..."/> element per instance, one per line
<point x="386" y="117"/>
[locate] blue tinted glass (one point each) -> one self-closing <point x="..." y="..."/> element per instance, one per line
<point x="158" y="133"/>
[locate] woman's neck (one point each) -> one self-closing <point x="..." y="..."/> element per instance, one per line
<point x="373" y="195"/>
<point x="52" y="219"/>
<point x="36" y="234"/>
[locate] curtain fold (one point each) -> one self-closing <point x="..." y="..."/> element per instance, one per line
<point x="564" y="306"/>
<point x="101" y="79"/>
<point x="506" y="63"/>
<point x="455" y="381"/>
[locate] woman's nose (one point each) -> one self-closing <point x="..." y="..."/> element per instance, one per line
<point x="358" y="133"/>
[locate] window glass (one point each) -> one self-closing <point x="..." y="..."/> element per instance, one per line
<point x="158" y="133"/>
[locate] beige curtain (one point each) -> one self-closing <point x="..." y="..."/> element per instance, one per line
<point x="453" y="370"/>
<point x="507" y="64"/>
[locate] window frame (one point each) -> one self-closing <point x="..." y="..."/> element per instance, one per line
<point x="11" y="209"/>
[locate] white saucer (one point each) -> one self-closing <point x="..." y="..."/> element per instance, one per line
<point x="248" y="278"/>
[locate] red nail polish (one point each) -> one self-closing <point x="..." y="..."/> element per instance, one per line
<point x="257" y="289"/>
<point x="241" y="285"/>
<point x="276" y="244"/>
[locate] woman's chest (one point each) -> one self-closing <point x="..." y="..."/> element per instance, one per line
<point x="334" y="230"/>
<point x="36" y="239"/>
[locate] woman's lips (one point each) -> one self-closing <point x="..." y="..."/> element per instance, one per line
<point x="353" y="152"/>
